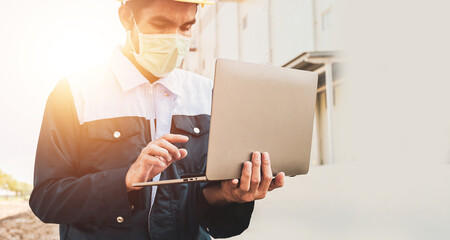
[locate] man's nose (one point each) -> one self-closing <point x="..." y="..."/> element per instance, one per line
<point x="177" y="31"/>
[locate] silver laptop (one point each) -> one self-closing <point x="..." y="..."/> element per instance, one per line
<point x="257" y="108"/>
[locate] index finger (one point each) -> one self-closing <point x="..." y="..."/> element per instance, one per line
<point x="175" y="138"/>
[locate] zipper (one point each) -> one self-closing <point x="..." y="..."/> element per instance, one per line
<point x="152" y="113"/>
<point x="151" y="117"/>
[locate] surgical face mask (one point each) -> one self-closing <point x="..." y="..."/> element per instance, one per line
<point x="160" y="54"/>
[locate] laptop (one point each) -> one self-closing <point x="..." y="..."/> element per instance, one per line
<point x="257" y="108"/>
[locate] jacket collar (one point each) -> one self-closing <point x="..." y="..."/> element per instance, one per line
<point x="129" y="76"/>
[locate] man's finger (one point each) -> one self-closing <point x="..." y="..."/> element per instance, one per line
<point x="152" y="161"/>
<point x="173" y="150"/>
<point x="277" y="182"/>
<point x="232" y="184"/>
<point x="145" y="170"/>
<point x="266" y="171"/>
<point x="183" y="153"/>
<point x="256" y="172"/>
<point x="245" y="177"/>
<point x="155" y="150"/>
<point x="175" y="138"/>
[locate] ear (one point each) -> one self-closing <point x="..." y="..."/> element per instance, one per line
<point x="126" y="17"/>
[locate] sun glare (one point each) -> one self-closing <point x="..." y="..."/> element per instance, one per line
<point x="41" y="43"/>
<point x="62" y="48"/>
<point x="65" y="53"/>
<point x="75" y="51"/>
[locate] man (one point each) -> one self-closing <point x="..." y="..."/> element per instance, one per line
<point x="136" y="119"/>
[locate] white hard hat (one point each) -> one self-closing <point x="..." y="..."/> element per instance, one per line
<point x="202" y="2"/>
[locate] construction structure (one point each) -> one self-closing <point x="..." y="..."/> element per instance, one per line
<point x="290" y="33"/>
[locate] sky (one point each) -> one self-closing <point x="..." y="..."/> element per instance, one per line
<point x="42" y="42"/>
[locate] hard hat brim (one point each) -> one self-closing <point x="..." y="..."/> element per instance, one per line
<point x="202" y="2"/>
<point x="197" y="1"/>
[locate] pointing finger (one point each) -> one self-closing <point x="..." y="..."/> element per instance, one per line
<point x="175" y="138"/>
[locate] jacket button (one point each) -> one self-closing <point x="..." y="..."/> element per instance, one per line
<point x="120" y="219"/>
<point x="207" y="229"/>
<point x="116" y="134"/>
<point x="196" y="130"/>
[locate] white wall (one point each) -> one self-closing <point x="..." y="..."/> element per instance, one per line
<point x="253" y="31"/>
<point x="292" y="29"/>
<point x="207" y="40"/>
<point x="227" y="27"/>
<point x="326" y="25"/>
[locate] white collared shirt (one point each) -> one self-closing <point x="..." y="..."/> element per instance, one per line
<point x="161" y="95"/>
<point x="123" y="91"/>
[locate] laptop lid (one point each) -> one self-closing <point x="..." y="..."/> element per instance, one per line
<point x="260" y="108"/>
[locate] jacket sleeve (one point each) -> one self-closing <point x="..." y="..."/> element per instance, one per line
<point x="224" y="221"/>
<point x="61" y="194"/>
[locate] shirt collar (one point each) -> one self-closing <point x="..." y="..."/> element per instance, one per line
<point x="129" y="76"/>
<point x="171" y="82"/>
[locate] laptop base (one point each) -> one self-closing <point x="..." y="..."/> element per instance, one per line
<point x="171" y="181"/>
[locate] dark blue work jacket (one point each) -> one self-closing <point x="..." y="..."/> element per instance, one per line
<point x="80" y="174"/>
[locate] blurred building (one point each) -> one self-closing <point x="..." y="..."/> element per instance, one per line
<point x="382" y="123"/>
<point x="291" y="33"/>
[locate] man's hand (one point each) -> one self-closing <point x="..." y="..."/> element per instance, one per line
<point x="252" y="185"/>
<point x="154" y="158"/>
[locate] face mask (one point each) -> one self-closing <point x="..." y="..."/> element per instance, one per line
<point x="160" y="54"/>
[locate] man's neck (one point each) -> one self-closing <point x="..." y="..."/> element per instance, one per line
<point x="127" y="51"/>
